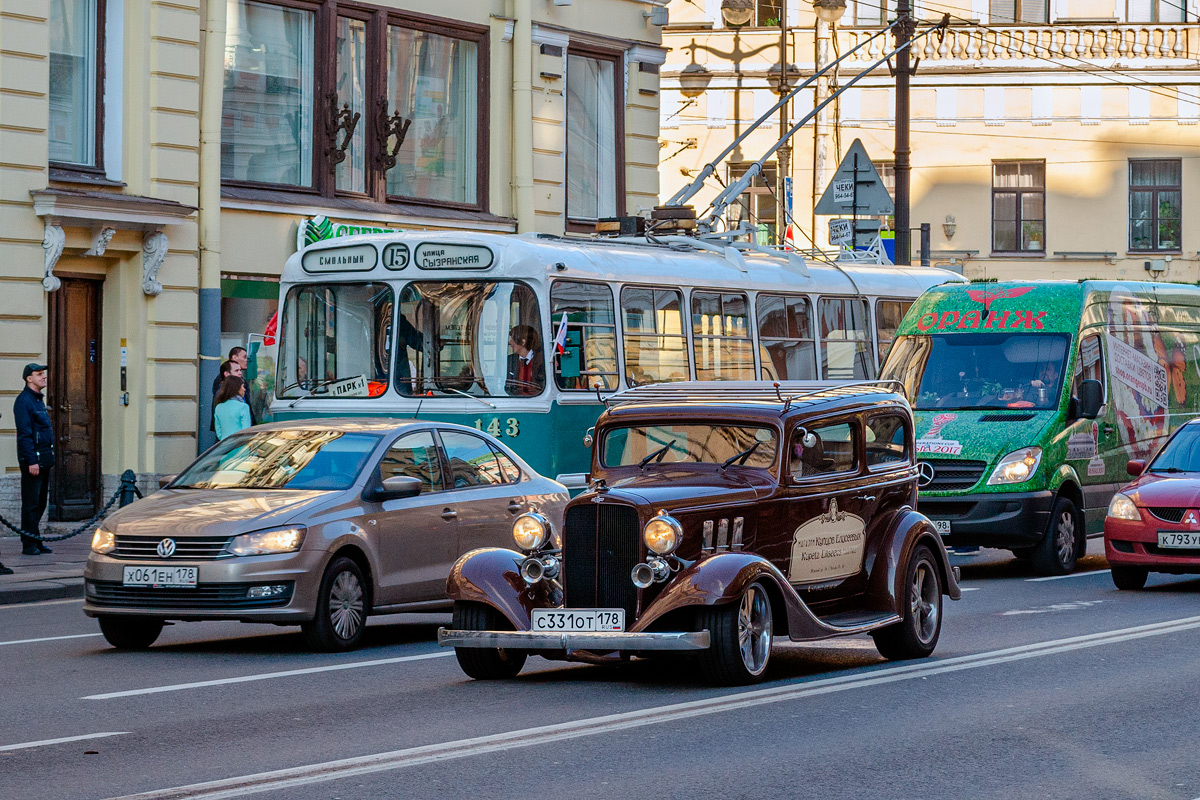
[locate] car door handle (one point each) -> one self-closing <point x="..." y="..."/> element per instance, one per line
<point x="449" y="514"/>
<point x="514" y="507"/>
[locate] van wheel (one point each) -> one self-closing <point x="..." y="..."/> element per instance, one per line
<point x="1055" y="554"/>
<point x="1129" y="578"/>
<point x="916" y="634"/>
<point x="482" y="663"/>
<point x="130" y="633"/>
<point x="341" y="614"/>
<point x="741" y="635"/>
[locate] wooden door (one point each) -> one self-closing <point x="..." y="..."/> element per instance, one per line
<point x="73" y="398"/>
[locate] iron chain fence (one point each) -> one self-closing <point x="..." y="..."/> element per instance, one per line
<point x="124" y="496"/>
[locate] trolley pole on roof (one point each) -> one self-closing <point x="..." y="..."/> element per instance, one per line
<point x="904" y="33"/>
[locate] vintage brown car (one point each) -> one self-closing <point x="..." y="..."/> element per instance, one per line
<point x="718" y="518"/>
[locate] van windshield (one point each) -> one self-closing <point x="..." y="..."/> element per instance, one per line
<point x="963" y="371"/>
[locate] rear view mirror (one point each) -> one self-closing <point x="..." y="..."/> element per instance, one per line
<point x="1135" y="467"/>
<point x="395" y="488"/>
<point x="1091" y="398"/>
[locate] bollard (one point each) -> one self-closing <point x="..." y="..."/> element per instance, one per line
<point x="128" y="487"/>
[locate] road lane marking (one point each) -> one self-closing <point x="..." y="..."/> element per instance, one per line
<point x="1072" y="605"/>
<point x="51" y="638"/>
<point x="266" y="676"/>
<point x="292" y="777"/>
<point x="1072" y="575"/>
<point x="42" y="603"/>
<point x="968" y="588"/>
<point x="63" y="740"/>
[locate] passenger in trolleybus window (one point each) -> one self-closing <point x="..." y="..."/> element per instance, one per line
<point x="526" y="365"/>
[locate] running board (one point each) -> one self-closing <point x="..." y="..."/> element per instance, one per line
<point x="849" y="623"/>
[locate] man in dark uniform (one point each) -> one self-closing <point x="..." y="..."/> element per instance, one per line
<point x="35" y="454"/>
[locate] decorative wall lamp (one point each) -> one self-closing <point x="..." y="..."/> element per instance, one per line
<point x="693" y="80"/>
<point x="949" y="226"/>
<point x="829" y="10"/>
<point x="342" y="121"/>
<point x="737" y="13"/>
<point x="388" y="126"/>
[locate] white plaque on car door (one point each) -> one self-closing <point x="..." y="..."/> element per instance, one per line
<point x="827" y="547"/>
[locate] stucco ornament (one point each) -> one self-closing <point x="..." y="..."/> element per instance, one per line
<point x="53" y="242"/>
<point x="100" y="239"/>
<point x="154" y="250"/>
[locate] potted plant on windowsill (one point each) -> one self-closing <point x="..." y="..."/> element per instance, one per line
<point x="1032" y="234"/>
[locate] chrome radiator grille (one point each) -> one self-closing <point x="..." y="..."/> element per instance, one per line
<point x="195" y="548"/>
<point x="600" y="548"/>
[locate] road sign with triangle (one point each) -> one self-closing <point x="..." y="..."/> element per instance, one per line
<point x="856" y="188"/>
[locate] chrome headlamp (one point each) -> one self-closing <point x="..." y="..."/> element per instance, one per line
<point x="262" y="543"/>
<point x="103" y="540"/>
<point x="530" y="531"/>
<point x="662" y="534"/>
<point x="1121" y="507"/>
<point x="1017" y="467"/>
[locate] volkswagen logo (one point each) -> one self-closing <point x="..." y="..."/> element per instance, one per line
<point x="166" y="548"/>
<point x="925" y="474"/>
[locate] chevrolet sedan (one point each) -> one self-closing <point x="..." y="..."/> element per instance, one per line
<point x="318" y="523"/>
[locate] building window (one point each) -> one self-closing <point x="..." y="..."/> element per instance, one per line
<point x="867" y="12"/>
<point x="756" y="205"/>
<point x="767" y="13"/>
<point x="1026" y="12"/>
<point x="1019" y="206"/>
<point x="1154" y="11"/>
<point x="595" y="185"/>
<point x="1155" y="194"/>
<point x="292" y="86"/>
<point x="76" y="81"/>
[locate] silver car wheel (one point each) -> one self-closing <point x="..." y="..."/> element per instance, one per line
<point x="754" y="629"/>
<point x="1064" y="537"/>
<point x="346" y="604"/>
<point x="925" y="606"/>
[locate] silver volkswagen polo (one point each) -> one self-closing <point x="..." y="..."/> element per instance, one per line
<point x="317" y="523"/>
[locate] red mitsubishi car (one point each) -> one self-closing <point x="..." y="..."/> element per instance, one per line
<point x="1153" y="523"/>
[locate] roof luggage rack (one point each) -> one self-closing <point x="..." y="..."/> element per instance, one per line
<point x="780" y="393"/>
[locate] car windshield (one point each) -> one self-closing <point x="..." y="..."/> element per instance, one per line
<point x="689" y="443"/>
<point x="1180" y="454"/>
<point x="962" y="371"/>
<point x="279" y="459"/>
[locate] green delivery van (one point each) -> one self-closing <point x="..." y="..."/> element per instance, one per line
<point x="1030" y="399"/>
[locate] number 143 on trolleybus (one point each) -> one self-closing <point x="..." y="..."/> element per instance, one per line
<point x="521" y="336"/>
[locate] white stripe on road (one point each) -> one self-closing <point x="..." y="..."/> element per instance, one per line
<point x="266" y="676"/>
<point x="1072" y="575"/>
<point x="399" y="759"/>
<point x="42" y="603"/>
<point x="968" y="588"/>
<point x="51" y="638"/>
<point x="65" y="739"/>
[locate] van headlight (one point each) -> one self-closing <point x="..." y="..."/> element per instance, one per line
<point x="261" y="543"/>
<point x="530" y="530"/>
<point x="1121" y="507"/>
<point x="103" y="540"/>
<point x="662" y="534"/>
<point x="1017" y="467"/>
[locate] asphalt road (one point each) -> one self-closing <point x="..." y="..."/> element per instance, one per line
<point x="1039" y="688"/>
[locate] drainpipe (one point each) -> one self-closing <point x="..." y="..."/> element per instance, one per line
<point x="213" y="71"/>
<point x="522" y="114"/>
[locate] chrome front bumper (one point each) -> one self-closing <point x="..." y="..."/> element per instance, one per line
<point x="598" y="642"/>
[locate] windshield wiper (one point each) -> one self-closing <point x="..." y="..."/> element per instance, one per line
<point x="742" y="456"/>
<point x="473" y="397"/>
<point x="657" y="455"/>
<point x="1168" y="469"/>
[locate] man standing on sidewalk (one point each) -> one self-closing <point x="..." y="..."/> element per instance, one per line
<point x="35" y="454"/>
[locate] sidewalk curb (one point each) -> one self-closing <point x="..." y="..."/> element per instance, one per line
<point x="36" y="591"/>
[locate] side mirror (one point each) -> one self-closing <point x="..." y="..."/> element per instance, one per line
<point x="1135" y="467"/>
<point x="1091" y="398"/>
<point x="589" y="438"/>
<point x="395" y="488"/>
<point x="166" y="479"/>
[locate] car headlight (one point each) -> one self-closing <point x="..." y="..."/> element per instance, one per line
<point x="531" y="530"/>
<point x="662" y="534"/>
<point x="1017" y="467"/>
<point x="1121" y="507"/>
<point x="261" y="543"/>
<point x="103" y="540"/>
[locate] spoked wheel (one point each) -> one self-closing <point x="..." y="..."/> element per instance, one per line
<point x="485" y="663"/>
<point x="916" y="634"/>
<point x="741" y="634"/>
<point x="1129" y="578"/>
<point x="130" y="633"/>
<point x="1055" y="555"/>
<point x="341" y="614"/>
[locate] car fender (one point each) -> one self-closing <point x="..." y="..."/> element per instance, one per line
<point x="1065" y="473"/>
<point x="346" y="534"/>
<point x="491" y="576"/>
<point x="885" y="562"/>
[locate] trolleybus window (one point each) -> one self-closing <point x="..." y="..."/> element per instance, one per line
<point x="479" y="338"/>
<point x="590" y="342"/>
<point x="655" y="345"/>
<point x="888" y="314"/>
<point x="335" y="341"/>
<point x="845" y="339"/>
<point x="721" y="337"/>
<point x="785" y="335"/>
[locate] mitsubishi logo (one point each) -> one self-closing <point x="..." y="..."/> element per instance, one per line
<point x="1190" y="519"/>
<point x="925" y="474"/>
<point x="166" y="548"/>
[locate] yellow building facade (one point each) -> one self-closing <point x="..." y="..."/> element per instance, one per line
<point x="161" y="159"/>
<point x="1050" y="139"/>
